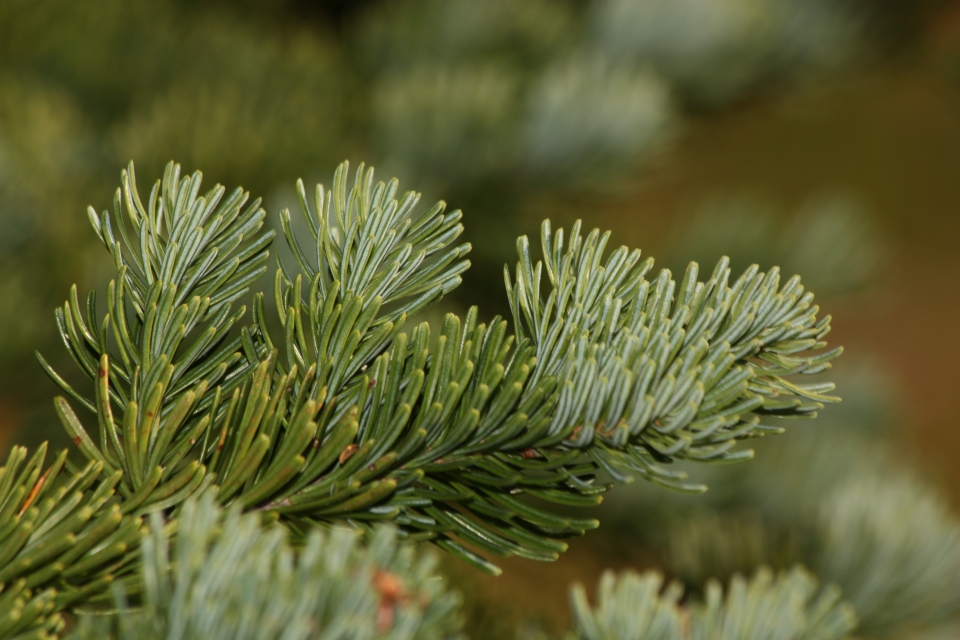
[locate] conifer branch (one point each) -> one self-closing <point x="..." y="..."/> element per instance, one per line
<point x="662" y="370"/>
<point x="182" y="261"/>
<point x="350" y="418"/>
<point x="610" y="372"/>
<point x="160" y="359"/>
<point x="331" y="587"/>
<point x="893" y="545"/>
<point x="63" y="540"/>
<point x="635" y="606"/>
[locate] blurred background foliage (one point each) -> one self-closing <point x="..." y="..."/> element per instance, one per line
<point x="820" y="135"/>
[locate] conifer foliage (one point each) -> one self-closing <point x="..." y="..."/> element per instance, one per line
<point x="329" y="407"/>
<point x="229" y="577"/>
<point x="790" y="606"/>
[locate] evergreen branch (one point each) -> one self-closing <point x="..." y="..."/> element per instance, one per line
<point x="888" y="541"/>
<point x="374" y="263"/>
<point x="610" y="372"/>
<point x="788" y="607"/>
<point x="332" y="587"/>
<point x="631" y="606"/>
<point x="182" y="260"/>
<point x="63" y="539"/>
<point x="894" y="548"/>
<point x="836" y="500"/>
<point x="170" y="313"/>
<point x="659" y="369"/>
<point x="349" y="418"/>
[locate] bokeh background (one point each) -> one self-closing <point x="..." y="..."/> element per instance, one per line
<point x="820" y="135"/>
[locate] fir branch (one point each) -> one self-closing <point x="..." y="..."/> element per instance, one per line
<point x="349" y="418"/>
<point x="182" y="261"/>
<point x="662" y="369"/>
<point x="631" y="606"/>
<point x="63" y="540"/>
<point x="885" y="538"/>
<point x="332" y="587"/>
<point x="790" y="606"/>
<point x="835" y="501"/>
<point x="372" y="264"/>
<point x="610" y="372"/>
<point x="894" y="547"/>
